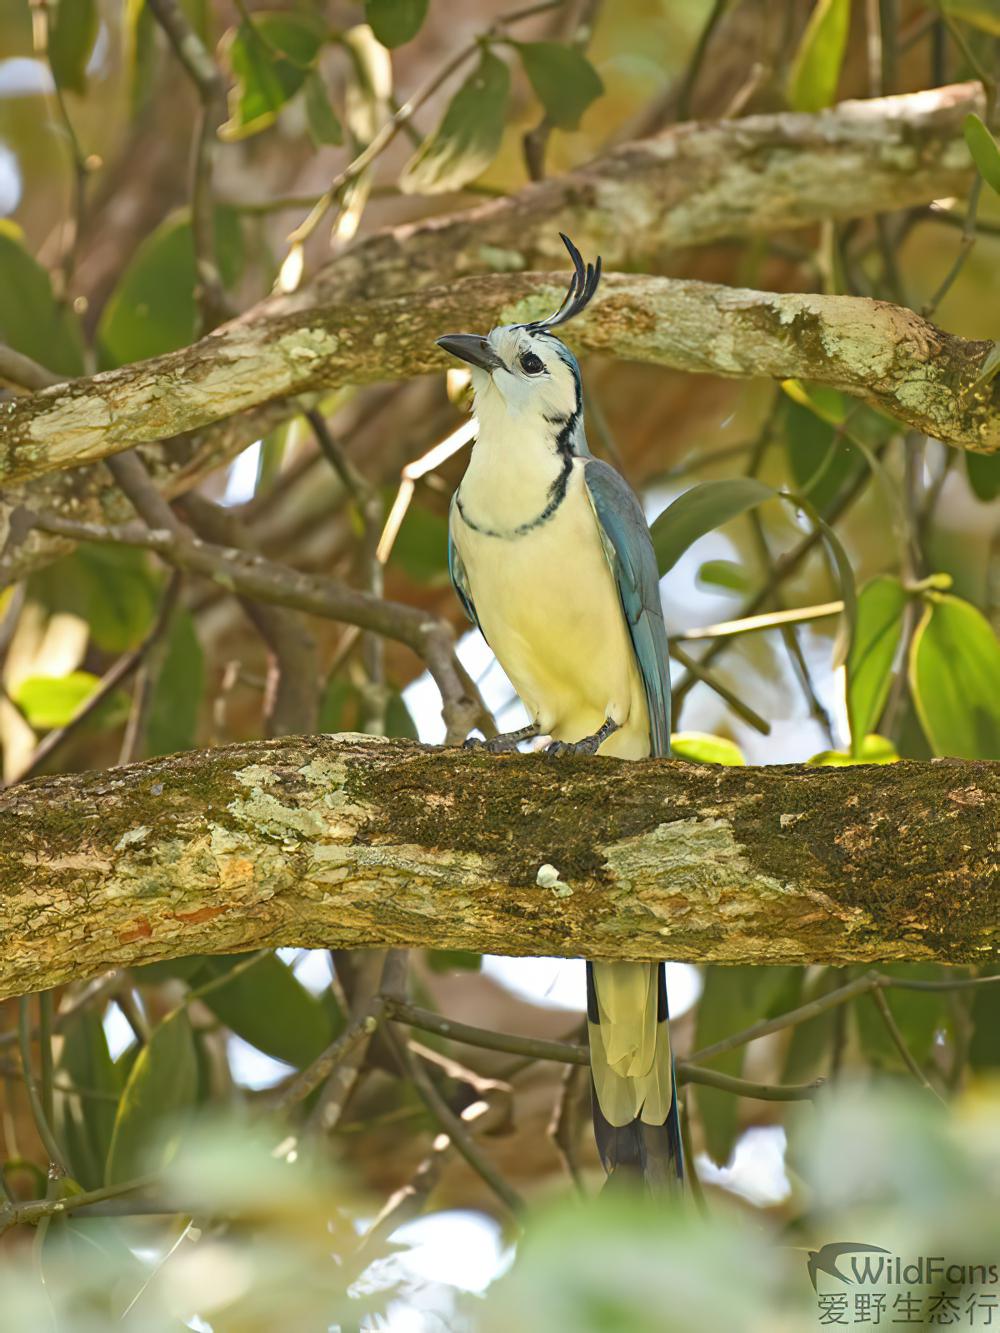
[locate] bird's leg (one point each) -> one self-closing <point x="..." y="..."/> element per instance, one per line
<point x="589" y="744"/>
<point x="505" y="742"/>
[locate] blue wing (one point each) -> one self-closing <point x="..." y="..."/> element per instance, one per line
<point x="629" y="546"/>
<point x="459" y="578"/>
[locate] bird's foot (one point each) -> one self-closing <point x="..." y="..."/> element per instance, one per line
<point x="505" y="743"/>
<point x="589" y="744"/>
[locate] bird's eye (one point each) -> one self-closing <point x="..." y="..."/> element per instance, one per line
<point x="532" y="364"/>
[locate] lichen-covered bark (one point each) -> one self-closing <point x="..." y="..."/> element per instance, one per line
<point x="880" y="352"/>
<point x="349" y="841"/>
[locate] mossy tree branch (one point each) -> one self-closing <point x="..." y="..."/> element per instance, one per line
<point x="351" y="841"/>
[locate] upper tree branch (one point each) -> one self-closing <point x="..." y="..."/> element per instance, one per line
<point x="880" y="352"/>
<point x="350" y="841"/>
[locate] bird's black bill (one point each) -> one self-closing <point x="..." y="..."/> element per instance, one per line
<point x="473" y="348"/>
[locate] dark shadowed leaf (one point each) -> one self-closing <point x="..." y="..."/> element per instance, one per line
<point x="453" y="960"/>
<point x="984" y="149"/>
<point x="984" y="1048"/>
<point x="268" y="1007"/>
<point x="918" y="1014"/>
<point x="73" y="28"/>
<point x="269" y="57"/>
<point x="954" y="673"/>
<point x="323" y="123"/>
<point x="564" y="80"/>
<point x="467" y="140"/>
<point x="395" y="21"/>
<point x="153" y="309"/>
<point x="697" y="747"/>
<point x="85" y="1121"/>
<point x="112" y="587"/>
<point x="701" y="509"/>
<point x="31" y="320"/>
<point x="173" y="709"/>
<point x="421" y="546"/>
<point x="161" y="1087"/>
<point x="820" y="459"/>
<point x="808" y="1052"/>
<point x="815" y="72"/>
<point x="733" y="998"/>
<point x="877" y="633"/>
<point x="341" y="709"/>
<point x="983" y="471"/>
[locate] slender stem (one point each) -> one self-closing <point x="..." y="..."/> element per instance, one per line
<point x="45" y="1047"/>
<point x="42" y="1123"/>
<point x="34" y="1210"/>
<point x="892" y="1027"/>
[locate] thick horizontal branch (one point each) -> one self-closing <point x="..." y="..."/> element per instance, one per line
<point x="885" y="354"/>
<point x="695" y="183"/>
<point x="350" y="841"/>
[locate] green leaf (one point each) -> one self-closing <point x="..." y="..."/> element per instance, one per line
<point x="815" y="71"/>
<point x="112" y="587"/>
<point x="323" y="123"/>
<point x="453" y="960"/>
<point x="983" y="471"/>
<point x="699" y="748"/>
<point x="153" y="308"/>
<point x="564" y="80"/>
<point x="982" y="14"/>
<point x="701" y="509"/>
<point x="984" y="149"/>
<point x="51" y="701"/>
<point x="820" y="458"/>
<point x="31" y="320"/>
<point x="918" y="1015"/>
<point x="733" y="998"/>
<point x="954" y="675"/>
<point x="421" y="546"/>
<point x="398" y="720"/>
<point x="85" y="1122"/>
<point x="726" y="574"/>
<point x="139" y="53"/>
<point x="270" y="56"/>
<point x="395" y="21"/>
<point x="468" y="138"/>
<point x="73" y="29"/>
<point x="877" y="633"/>
<point x="176" y="698"/>
<point x="268" y="1007"/>
<point x="984" y="1048"/>
<point x="872" y="750"/>
<point x="161" y="1087"/>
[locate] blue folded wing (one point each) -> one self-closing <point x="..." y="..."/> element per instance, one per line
<point x="456" y="569"/>
<point x="629" y="547"/>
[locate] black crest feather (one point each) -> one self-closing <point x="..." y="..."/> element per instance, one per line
<point x="582" y="286"/>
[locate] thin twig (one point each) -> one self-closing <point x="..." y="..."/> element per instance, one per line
<point x="35" y="1100"/>
<point x="899" y="1041"/>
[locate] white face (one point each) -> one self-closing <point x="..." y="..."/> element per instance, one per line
<point x="535" y="381"/>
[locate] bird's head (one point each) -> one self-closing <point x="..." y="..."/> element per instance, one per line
<point x="523" y="370"/>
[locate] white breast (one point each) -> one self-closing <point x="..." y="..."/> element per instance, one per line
<point x="549" y="608"/>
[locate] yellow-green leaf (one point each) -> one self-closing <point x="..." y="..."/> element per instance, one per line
<point x="984" y="150"/>
<point x="815" y="72"/>
<point x="872" y="750"/>
<point x="877" y="633"/>
<point x="51" y="701"/>
<point x="955" y="679"/>
<point x="697" y="747"/>
<point x="982" y="14"/>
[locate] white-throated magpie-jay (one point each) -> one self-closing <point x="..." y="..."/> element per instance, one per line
<point x="551" y="557"/>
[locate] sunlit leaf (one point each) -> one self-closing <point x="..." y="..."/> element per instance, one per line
<point x="879" y="627"/>
<point x="954" y="674"/>
<point x="699" y="510"/>
<point x="983" y="471"/>
<point x="31" y="320"/>
<point x="873" y="749"/>
<point x="161" y="1087"/>
<point x="564" y="80"/>
<point x="984" y="149"/>
<point x="176" y="698"/>
<point x="153" y="308"/>
<point x="269" y="55"/>
<point x="50" y="701"/>
<point x="324" y="126"/>
<point x="268" y="1007"/>
<point x="73" y="26"/>
<point x="395" y="21"/>
<point x="697" y="747"/>
<point x="467" y="140"/>
<point x="815" y="71"/>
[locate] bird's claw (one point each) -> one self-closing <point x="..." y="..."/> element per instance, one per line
<point x="495" y="744"/>
<point x="557" y="749"/>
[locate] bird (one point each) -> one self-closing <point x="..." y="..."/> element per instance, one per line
<point x="551" y="557"/>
